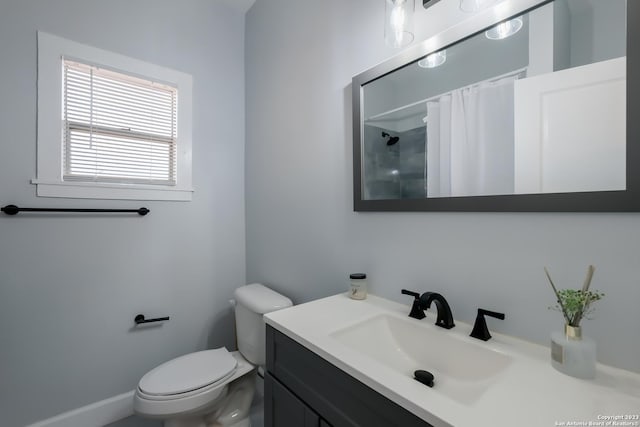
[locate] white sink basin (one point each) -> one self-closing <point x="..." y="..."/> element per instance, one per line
<point x="462" y="368"/>
<point x="500" y="383"/>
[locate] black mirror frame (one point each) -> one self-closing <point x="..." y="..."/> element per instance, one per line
<point x="596" y="201"/>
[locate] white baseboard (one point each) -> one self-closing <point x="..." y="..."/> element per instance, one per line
<point x="97" y="414"/>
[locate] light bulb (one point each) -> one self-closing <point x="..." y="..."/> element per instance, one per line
<point x="504" y="29"/>
<point x="397" y="23"/>
<point x="433" y="60"/>
<point x="397" y="18"/>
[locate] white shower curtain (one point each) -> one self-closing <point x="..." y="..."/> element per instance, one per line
<point x="470" y="141"/>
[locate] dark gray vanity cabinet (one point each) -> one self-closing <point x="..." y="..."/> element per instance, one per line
<point x="304" y="390"/>
<point x="284" y="409"/>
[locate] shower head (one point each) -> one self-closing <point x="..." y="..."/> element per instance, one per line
<point x="392" y="140"/>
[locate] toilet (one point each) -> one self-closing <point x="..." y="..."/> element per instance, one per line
<point x="213" y="387"/>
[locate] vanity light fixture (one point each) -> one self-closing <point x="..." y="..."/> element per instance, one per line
<point x="398" y="22"/>
<point x="433" y="60"/>
<point x="472" y="6"/>
<point x="504" y="29"/>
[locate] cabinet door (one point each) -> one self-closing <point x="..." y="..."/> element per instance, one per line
<point x="338" y="398"/>
<point x="284" y="409"/>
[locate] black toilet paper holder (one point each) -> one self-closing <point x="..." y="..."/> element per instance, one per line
<point x="140" y="319"/>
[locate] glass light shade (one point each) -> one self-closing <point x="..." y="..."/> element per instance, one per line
<point x="471" y="6"/>
<point x="433" y="60"/>
<point x="504" y="29"/>
<point x="398" y="22"/>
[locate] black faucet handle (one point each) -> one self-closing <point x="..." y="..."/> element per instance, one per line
<point x="491" y="313"/>
<point x="480" y="329"/>
<point x="411" y="293"/>
<point x="416" y="311"/>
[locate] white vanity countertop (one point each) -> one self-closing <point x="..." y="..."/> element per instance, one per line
<point x="529" y="392"/>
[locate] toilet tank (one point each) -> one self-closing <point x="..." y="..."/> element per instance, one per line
<point x="252" y="302"/>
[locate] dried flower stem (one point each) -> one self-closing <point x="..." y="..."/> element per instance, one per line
<point x="585" y="289"/>
<point x="564" y="311"/>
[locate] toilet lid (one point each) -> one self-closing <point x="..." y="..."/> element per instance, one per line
<point x="189" y="372"/>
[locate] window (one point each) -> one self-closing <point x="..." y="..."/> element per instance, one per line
<point x="110" y="126"/>
<point x="117" y="128"/>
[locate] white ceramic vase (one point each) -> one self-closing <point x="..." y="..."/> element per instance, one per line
<point x="573" y="354"/>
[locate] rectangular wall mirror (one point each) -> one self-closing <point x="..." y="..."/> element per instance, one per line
<point x="525" y="106"/>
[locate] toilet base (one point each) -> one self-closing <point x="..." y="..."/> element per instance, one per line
<point x="232" y="412"/>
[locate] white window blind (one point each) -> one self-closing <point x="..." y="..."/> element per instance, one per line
<point x="117" y="128"/>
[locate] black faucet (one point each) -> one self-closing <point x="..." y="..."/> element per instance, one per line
<point x="416" y="311"/>
<point x="480" y="329"/>
<point x="445" y="318"/>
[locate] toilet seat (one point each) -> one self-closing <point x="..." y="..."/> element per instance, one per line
<point x="187" y="374"/>
<point x="199" y="391"/>
<point x="160" y="406"/>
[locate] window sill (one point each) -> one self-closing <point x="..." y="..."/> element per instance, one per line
<point x="80" y="190"/>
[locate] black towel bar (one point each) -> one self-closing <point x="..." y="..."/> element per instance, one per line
<point x="13" y="209"/>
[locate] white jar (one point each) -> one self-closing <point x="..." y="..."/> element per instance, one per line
<point x="358" y="286"/>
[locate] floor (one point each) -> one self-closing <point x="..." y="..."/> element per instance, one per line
<point x="136" y="422"/>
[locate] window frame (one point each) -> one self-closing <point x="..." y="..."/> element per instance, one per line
<point x="50" y="137"/>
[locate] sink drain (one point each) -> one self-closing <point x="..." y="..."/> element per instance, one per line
<point x="425" y="377"/>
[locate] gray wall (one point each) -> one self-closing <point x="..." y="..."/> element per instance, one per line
<point x="303" y="237"/>
<point x="70" y="285"/>
<point x="597" y="30"/>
